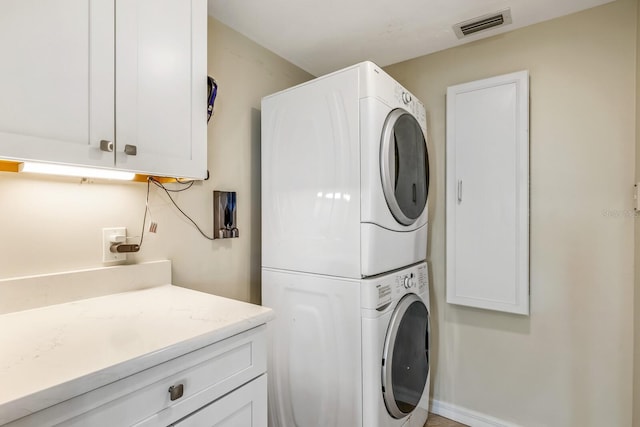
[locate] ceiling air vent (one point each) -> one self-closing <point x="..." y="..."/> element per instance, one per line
<point x="481" y="23"/>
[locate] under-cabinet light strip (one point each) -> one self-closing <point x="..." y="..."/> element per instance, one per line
<point x="82" y="172"/>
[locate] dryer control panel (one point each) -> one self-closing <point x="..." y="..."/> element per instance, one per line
<point x="410" y="103"/>
<point x="375" y="82"/>
<point x="380" y="291"/>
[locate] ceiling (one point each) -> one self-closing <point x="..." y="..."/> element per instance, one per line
<point x="321" y="36"/>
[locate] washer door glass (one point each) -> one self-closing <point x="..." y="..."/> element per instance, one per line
<point x="405" y="363"/>
<point x="404" y="164"/>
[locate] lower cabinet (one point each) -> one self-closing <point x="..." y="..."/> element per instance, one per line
<point x="223" y="384"/>
<point x="245" y="407"/>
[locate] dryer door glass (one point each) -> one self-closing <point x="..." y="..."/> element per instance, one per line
<point x="404" y="166"/>
<point x="405" y="364"/>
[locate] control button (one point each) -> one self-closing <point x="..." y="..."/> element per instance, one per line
<point x="406" y="97"/>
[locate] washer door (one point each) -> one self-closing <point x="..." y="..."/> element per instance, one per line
<point x="404" y="166"/>
<point x="405" y="361"/>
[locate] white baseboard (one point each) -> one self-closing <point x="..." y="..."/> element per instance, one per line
<point x="467" y="416"/>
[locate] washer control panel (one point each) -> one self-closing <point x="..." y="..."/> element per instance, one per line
<point x="381" y="291"/>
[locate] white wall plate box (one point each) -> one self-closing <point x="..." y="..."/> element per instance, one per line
<point x="487" y="193"/>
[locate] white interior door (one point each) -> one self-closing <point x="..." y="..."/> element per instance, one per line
<point x="488" y="194"/>
<point x="56" y="80"/>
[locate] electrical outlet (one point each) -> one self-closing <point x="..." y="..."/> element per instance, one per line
<point x="109" y="236"/>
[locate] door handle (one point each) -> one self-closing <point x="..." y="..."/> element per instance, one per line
<point x="459" y="191"/>
<point x="131" y="150"/>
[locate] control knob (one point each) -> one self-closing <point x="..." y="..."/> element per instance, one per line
<point x="406" y="97"/>
<point x="406" y="282"/>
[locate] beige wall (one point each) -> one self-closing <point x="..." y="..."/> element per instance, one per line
<point x="570" y="362"/>
<point x="50" y="225"/>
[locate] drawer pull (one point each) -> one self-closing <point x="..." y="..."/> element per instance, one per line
<point x="176" y="391"/>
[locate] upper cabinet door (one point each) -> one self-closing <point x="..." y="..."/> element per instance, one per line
<point x="57" y="80"/>
<point x="161" y="89"/>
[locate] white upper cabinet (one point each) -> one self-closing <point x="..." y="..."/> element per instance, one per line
<point x="132" y="73"/>
<point x="56" y="80"/>
<point x="161" y="90"/>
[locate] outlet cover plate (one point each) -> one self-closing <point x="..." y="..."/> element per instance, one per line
<point x="110" y="235"/>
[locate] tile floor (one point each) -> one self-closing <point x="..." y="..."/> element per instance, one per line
<point x="438" y="421"/>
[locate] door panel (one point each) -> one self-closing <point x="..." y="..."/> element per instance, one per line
<point x="161" y="90"/>
<point x="485" y="218"/>
<point x="56" y="80"/>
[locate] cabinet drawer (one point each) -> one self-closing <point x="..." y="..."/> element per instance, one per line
<point x="246" y="407"/>
<point x="204" y="375"/>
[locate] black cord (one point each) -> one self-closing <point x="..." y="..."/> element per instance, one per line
<point x="187" y="185"/>
<point x="169" y="191"/>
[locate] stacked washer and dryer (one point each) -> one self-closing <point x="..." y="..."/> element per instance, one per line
<point x="345" y="179"/>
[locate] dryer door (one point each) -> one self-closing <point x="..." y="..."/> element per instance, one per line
<point x="405" y="360"/>
<point x="404" y="166"/>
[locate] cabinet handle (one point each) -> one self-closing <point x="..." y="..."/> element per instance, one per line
<point x="106" y="146"/>
<point x="459" y="191"/>
<point x="131" y="150"/>
<point x="176" y="391"/>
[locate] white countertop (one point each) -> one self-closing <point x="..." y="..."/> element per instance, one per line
<point x="53" y="353"/>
